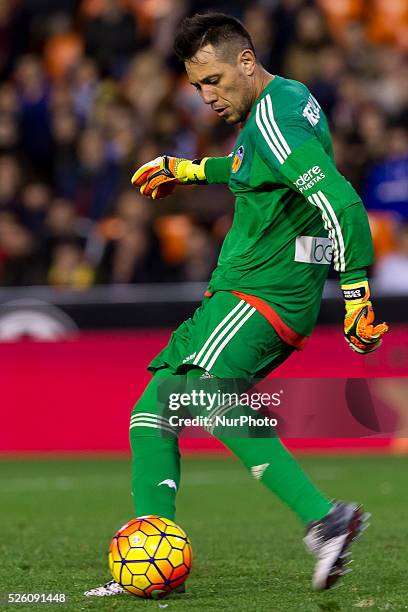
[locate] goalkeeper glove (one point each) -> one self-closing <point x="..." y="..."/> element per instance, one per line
<point x="158" y="178"/>
<point x="359" y="329"/>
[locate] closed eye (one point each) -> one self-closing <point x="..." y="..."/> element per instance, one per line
<point x="210" y="80"/>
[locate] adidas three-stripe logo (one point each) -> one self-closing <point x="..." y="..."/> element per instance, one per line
<point x="223" y="334"/>
<point x="332" y="225"/>
<point x="266" y="122"/>
<point x="149" y="419"/>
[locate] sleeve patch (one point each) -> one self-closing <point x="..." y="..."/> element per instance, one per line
<point x="312" y="111"/>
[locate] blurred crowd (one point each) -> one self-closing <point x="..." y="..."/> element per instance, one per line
<point x="90" y="89"/>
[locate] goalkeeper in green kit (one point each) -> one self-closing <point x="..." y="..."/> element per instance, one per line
<point x="294" y="213"/>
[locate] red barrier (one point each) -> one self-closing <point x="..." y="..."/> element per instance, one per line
<point x="77" y="395"/>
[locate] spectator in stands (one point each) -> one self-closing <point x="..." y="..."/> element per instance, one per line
<point x="259" y="24"/>
<point x="16" y="252"/>
<point x="387" y="183"/>
<point x="200" y="255"/>
<point x="84" y="81"/>
<point x="93" y="182"/>
<point x="8" y="99"/>
<point x="10" y="183"/>
<point x="8" y="38"/>
<point x="35" y="202"/>
<point x="63" y="48"/>
<point x="62" y="222"/>
<point x="34" y="96"/>
<point x="171" y="131"/>
<point x="130" y="252"/>
<point x="325" y="83"/>
<point x="391" y="273"/>
<point x="118" y="124"/>
<point x="371" y="128"/>
<point x="65" y="131"/>
<point x="311" y="35"/>
<point x="9" y="135"/>
<point x="69" y="269"/>
<point x="10" y="138"/>
<point x="111" y="37"/>
<point x="146" y="83"/>
<point x="62" y="226"/>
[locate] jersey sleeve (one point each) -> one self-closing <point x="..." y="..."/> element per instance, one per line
<point x="217" y="170"/>
<point x="293" y="146"/>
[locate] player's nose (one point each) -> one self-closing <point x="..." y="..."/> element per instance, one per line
<point x="208" y="95"/>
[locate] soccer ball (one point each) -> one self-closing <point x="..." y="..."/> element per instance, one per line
<point x="150" y="556"/>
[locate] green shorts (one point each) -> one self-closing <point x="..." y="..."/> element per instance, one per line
<point x="226" y="337"/>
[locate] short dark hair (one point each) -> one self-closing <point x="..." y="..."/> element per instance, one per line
<point x="216" y="29"/>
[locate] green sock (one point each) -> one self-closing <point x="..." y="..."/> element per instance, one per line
<point x="155" y="475"/>
<point x="264" y="456"/>
<point x="155" y="453"/>
<point x="270" y="462"/>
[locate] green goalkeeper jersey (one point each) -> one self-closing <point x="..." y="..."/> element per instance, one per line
<point x="294" y="212"/>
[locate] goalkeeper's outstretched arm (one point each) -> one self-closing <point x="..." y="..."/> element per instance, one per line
<point x="158" y="178"/>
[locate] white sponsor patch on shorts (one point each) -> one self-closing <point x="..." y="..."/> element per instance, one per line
<point x="313" y="249"/>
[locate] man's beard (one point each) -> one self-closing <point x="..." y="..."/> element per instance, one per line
<point x="246" y="107"/>
<point x="239" y="115"/>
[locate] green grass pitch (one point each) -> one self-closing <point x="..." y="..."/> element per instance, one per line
<point x="57" y="518"/>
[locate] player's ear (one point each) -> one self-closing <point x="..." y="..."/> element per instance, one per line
<point x="247" y="61"/>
